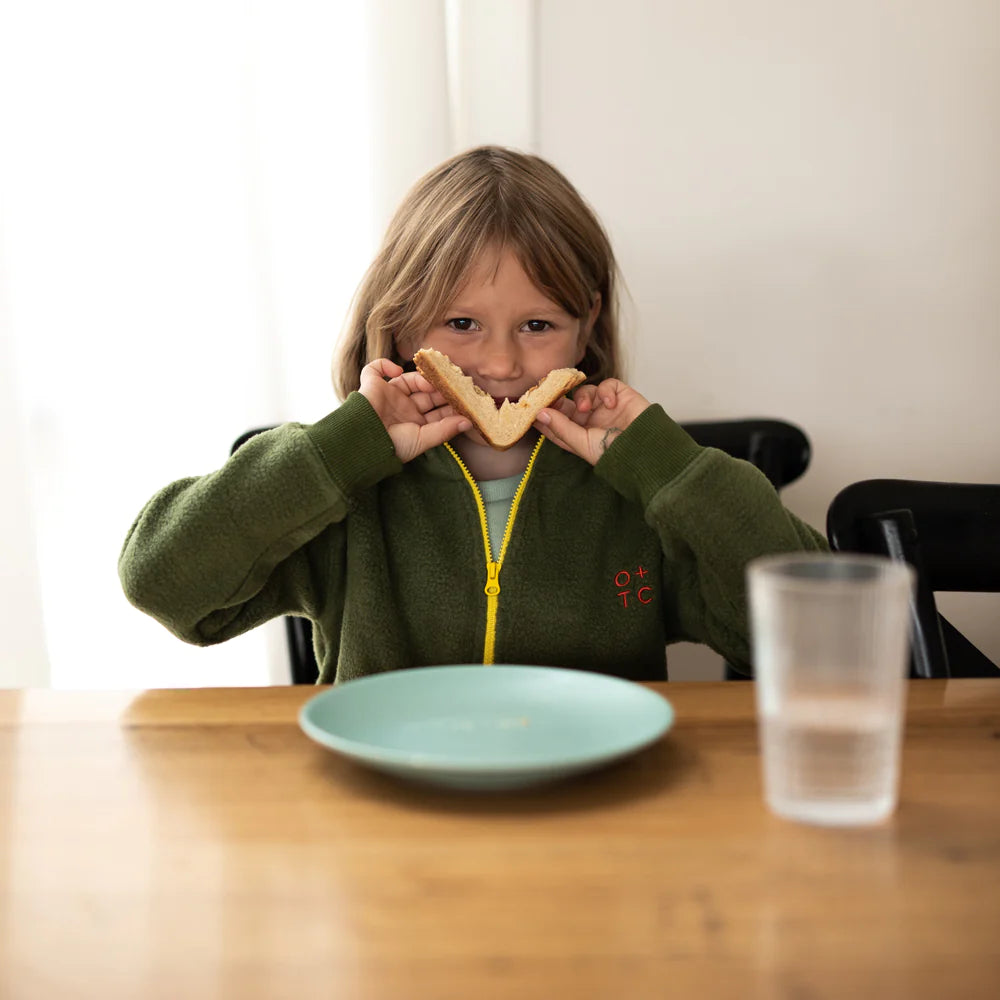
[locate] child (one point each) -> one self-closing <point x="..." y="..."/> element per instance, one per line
<point x="594" y="542"/>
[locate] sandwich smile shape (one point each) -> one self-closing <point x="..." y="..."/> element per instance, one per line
<point x="501" y="421"/>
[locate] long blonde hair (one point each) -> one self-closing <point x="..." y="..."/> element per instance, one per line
<point x="488" y="197"/>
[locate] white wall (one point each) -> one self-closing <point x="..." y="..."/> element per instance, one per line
<point x="805" y="199"/>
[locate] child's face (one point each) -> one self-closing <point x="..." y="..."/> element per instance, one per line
<point x="504" y="333"/>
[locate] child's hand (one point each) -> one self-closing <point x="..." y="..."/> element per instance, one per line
<point x="416" y="417"/>
<point x="588" y="424"/>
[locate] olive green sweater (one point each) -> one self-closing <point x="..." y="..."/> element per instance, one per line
<point x="602" y="568"/>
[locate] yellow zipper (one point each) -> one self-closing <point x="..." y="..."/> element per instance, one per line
<point x="492" y="588"/>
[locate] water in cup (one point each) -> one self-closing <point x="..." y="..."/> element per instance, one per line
<point x="831" y="760"/>
<point x="831" y="652"/>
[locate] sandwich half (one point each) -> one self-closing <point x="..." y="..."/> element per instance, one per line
<point x="504" y="426"/>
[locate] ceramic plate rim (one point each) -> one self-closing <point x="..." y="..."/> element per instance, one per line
<point x="419" y="761"/>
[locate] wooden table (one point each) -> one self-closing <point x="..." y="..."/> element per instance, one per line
<point x="182" y="844"/>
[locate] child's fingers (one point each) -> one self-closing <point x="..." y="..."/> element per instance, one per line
<point x="425" y="402"/>
<point x="374" y="375"/>
<point x="439" y="410"/>
<point x="411" y="383"/>
<point x="583" y="398"/>
<point x="569" y="408"/>
<point x="383" y="367"/>
<point x="608" y="391"/>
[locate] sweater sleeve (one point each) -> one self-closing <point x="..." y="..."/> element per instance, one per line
<point x="713" y="514"/>
<point x="213" y="556"/>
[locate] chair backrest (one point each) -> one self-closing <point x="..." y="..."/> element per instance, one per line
<point x="779" y="449"/>
<point x="949" y="533"/>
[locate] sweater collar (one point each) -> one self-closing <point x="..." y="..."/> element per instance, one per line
<point x="551" y="461"/>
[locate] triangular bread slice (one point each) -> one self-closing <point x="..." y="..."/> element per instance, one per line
<point x="501" y="427"/>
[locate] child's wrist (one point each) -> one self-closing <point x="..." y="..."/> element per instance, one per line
<point x="649" y="453"/>
<point x="354" y="445"/>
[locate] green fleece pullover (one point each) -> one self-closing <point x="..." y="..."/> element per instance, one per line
<point x="604" y="566"/>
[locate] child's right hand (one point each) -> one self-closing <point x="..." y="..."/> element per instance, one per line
<point x="415" y="415"/>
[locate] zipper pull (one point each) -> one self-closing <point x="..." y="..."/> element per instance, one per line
<point x="492" y="587"/>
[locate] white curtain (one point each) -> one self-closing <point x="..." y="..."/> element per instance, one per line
<point x="190" y="192"/>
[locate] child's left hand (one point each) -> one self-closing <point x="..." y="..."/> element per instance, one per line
<point x="588" y="424"/>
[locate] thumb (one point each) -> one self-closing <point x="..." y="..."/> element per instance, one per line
<point x="433" y="434"/>
<point x="563" y="431"/>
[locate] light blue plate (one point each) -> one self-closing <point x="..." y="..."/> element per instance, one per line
<point x="479" y="727"/>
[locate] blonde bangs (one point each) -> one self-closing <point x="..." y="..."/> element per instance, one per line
<point x="419" y="298"/>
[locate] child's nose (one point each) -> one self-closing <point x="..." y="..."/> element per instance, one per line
<point x="500" y="359"/>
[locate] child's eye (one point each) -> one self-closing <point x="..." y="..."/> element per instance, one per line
<point x="462" y="323"/>
<point x="538" y="325"/>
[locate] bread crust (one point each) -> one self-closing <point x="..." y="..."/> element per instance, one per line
<point x="504" y="427"/>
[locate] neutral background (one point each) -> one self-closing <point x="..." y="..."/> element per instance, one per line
<point x="806" y="202"/>
<point x="804" y="197"/>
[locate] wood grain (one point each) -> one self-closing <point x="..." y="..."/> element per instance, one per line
<point x="195" y="844"/>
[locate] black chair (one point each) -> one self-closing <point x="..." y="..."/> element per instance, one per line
<point x="950" y="534"/>
<point x="779" y="449"/>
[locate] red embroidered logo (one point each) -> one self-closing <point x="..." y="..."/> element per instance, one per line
<point x="633" y="590"/>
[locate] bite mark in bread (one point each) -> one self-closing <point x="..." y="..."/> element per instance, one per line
<point x="504" y="426"/>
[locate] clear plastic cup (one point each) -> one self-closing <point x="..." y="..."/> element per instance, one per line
<point x="831" y="654"/>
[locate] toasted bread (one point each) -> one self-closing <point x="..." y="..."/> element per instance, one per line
<point x="501" y="427"/>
